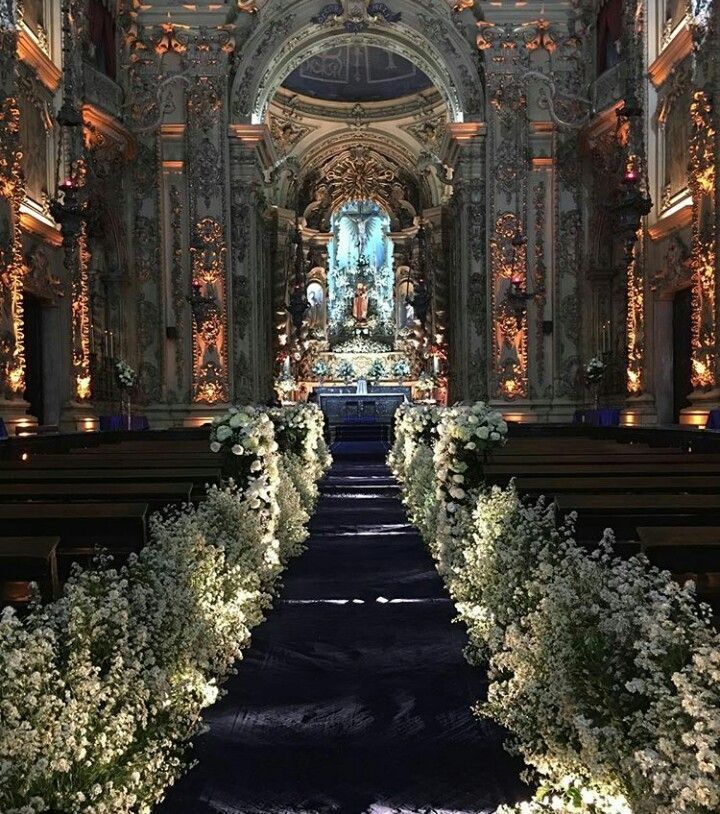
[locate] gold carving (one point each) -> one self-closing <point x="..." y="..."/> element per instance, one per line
<point x="704" y="243"/>
<point x="508" y="264"/>
<point x="12" y="265"/>
<point x="360" y="175"/>
<point x="210" y="383"/>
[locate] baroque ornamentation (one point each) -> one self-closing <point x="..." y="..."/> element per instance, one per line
<point x="40" y="277"/>
<point x="539" y="275"/>
<point x="178" y="284"/>
<point x="508" y="259"/>
<point x="210" y="382"/>
<point x="12" y="266"/>
<point x="360" y="175"/>
<point x="703" y="261"/>
<point x="207" y="170"/>
<point x="356" y="15"/>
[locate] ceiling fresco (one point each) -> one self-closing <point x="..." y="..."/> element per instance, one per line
<point x="357" y="73"/>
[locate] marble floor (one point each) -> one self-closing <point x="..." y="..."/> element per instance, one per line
<point x="354" y="697"/>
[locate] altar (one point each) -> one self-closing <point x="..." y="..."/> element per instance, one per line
<point x="343" y="405"/>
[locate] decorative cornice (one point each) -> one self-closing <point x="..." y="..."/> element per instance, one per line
<point x="248" y="133"/>
<point x="172" y="131"/>
<point x="676" y="50"/>
<point x="466" y="131"/>
<point x="605" y="120"/>
<point x="109" y="127"/>
<point x="677" y="217"/>
<point x="399" y="108"/>
<point x="35" y="223"/>
<point x="29" y="52"/>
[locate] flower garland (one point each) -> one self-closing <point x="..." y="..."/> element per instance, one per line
<point x="605" y="671"/>
<point x="103" y="689"/>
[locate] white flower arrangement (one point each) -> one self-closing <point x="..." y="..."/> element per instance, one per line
<point x="321" y="369"/>
<point x="605" y="671"/>
<point x="345" y="371"/>
<point x="285" y="384"/>
<point x="401" y="369"/>
<point x="103" y="689"/>
<point x="595" y="370"/>
<point x="425" y="383"/>
<point x="376" y="370"/>
<point x="125" y="375"/>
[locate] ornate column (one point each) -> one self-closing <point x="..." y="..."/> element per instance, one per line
<point x="12" y="192"/>
<point x="143" y="347"/>
<point x="468" y="294"/>
<point x="703" y="177"/>
<point x="251" y="264"/>
<point x="507" y="155"/>
<point x="209" y="212"/>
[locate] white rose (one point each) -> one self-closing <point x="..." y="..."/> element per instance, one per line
<point x="483" y="433"/>
<point x="223" y="433"/>
<point x="235" y="421"/>
<point x="215" y="447"/>
<point x="238" y="449"/>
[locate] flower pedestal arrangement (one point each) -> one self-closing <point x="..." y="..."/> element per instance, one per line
<point x="126" y="378"/>
<point x="594" y="375"/>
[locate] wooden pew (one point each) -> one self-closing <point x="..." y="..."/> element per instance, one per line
<point x="690" y="552"/>
<point x="626" y="512"/>
<point x="156" y="495"/>
<point x="83" y="528"/>
<point x="28" y="559"/>
<point x="678" y="484"/>
<point x="49" y="462"/>
<point x="500" y="472"/>
<point x="199" y="477"/>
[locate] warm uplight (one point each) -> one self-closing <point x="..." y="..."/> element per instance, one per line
<point x="197" y="421"/>
<point x="89" y="424"/>
<point x="696" y="418"/>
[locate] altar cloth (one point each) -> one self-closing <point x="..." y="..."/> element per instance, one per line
<point x="713" y="420"/>
<point x="3" y="431"/>
<point x="113" y="423"/>
<point x="602" y="417"/>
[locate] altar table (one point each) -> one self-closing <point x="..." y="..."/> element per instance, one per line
<point x="340" y="408"/>
<point x="113" y="423"/>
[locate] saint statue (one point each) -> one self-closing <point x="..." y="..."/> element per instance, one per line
<point x="360" y="304"/>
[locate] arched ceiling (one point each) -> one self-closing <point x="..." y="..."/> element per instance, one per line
<point x="357" y="73"/>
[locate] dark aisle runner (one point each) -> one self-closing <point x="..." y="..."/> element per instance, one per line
<point x="354" y="697"/>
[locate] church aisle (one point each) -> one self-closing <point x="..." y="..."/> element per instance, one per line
<point x="354" y="697"/>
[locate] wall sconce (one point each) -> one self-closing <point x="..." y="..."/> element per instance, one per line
<point x="518" y="297"/>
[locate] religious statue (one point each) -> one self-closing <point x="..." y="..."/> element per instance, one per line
<point x="316" y="313"/>
<point x="360" y="304"/>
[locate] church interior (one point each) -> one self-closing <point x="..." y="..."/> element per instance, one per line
<point x="327" y="323"/>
